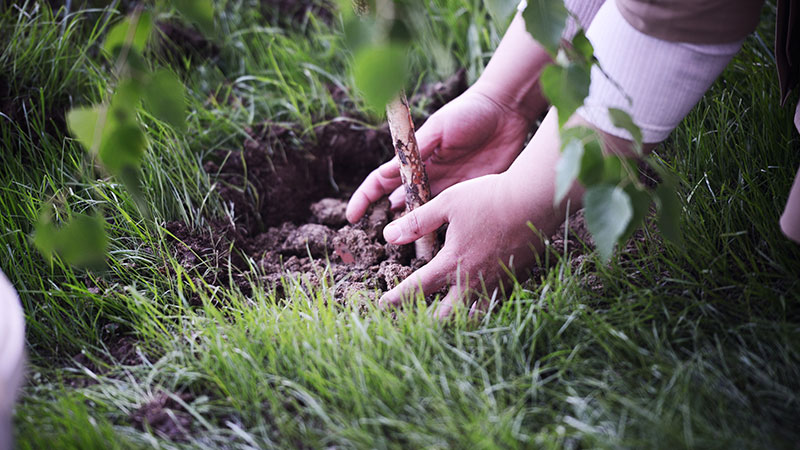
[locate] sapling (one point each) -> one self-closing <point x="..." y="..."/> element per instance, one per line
<point x="404" y="141"/>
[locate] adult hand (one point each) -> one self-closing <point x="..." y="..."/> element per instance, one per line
<point x="489" y="237"/>
<point x="488" y="234"/>
<point x="471" y="136"/>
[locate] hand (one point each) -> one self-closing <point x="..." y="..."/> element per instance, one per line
<point x="488" y="234"/>
<point x="489" y="237"/>
<point x="471" y="136"/>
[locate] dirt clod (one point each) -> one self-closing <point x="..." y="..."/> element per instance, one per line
<point x="309" y="238"/>
<point x="330" y="211"/>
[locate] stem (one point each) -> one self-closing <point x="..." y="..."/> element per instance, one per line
<point x="412" y="169"/>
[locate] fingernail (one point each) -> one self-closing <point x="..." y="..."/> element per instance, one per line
<point x="391" y="233"/>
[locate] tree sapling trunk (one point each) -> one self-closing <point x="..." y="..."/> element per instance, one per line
<point x="412" y="169"/>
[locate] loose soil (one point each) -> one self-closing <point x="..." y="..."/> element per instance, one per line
<point x="286" y="193"/>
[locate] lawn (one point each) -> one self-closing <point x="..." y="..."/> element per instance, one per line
<point x="186" y="339"/>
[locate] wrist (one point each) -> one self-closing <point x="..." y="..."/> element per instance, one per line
<point x="526" y="101"/>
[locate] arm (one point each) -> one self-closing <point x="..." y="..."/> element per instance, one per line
<point x="489" y="216"/>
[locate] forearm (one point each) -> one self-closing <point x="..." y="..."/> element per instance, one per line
<point x="531" y="179"/>
<point x="512" y="76"/>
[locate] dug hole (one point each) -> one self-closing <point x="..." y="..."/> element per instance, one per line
<point x="12" y="341"/>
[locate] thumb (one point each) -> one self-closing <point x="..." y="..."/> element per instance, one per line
<point x="429" y="136"/>
<point x="417" y="223"/>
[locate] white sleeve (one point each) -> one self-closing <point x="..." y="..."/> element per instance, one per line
<point x="663" y="80"/>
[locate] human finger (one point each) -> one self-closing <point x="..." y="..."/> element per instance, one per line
<point x="397" y="199"/>
<point x="454" y="297"/>
<point x="417" y="223"/>
<point x="429" y="278"/>
<point x="429" y="136"/>
<point x="376" y="185"/>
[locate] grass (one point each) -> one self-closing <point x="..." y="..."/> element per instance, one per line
<point x="663" y="347"/>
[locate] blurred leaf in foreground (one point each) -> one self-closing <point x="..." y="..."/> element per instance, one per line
<point x="200" y="12"/>
<point x="124" y="34"/>
<point x="81" y="242"/>
<point x="165" y="99"/>
<point x="380" y="73"/>
<point x="608" y="211"/>
<point x="565" y="87"/>
<point x="545" y="20"/>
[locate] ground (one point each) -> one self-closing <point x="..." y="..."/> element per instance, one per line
<point x="240" y="313"/>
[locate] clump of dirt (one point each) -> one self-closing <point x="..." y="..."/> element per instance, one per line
<point x="286" y="194"/>
<point x="165" y="416"/>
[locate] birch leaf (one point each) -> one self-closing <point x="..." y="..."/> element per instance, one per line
<point x="380" y="73"/>
<point x="621" y="119"/>
<point x="545" y="20"/>
<point x="565" y="87"/>
<point x="669" y="213"/>
<point x="81" y="242"/>
<point x="120" y="35"/>
<point x="200" y="12"/>
<point x="568" y="168"/>
<point x="607" y="210"/>
<point x="640" y="201"/>
<point x="592" y="164"/>
<point x="83" y="123"/>
<point x="164" y="98"/>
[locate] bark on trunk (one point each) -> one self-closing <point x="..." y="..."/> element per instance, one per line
<point x="412" y="169"/>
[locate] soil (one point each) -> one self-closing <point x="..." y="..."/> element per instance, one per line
<point x="165" y="416"/>
<point x="286" y="193"/>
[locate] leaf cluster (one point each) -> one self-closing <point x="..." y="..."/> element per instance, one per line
<point x="112" y="131"/>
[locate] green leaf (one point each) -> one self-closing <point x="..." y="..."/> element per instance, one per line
<point x="164" y="98"/>
<point x="123" y="147"/>
<point x="380" y="73"/>
<point x="125" y="100"/>
<point x="200" y="12"/>
<point x="640" y="201"/>
<point x="582" y="47"/>
<point x="545" y="20"/>
<point x="607" y="210"/>
<point x="621" y="119"/>
<point x="83" y="125"/>
<point x="81" y="242"/>
<point x="129" y="34"/>
<point x="568" y="167"/>
<point x="669" y="213"/>
<point x="592" y="164"/>
<point x="565" y="88"/>
<point x="501" y="10"/>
